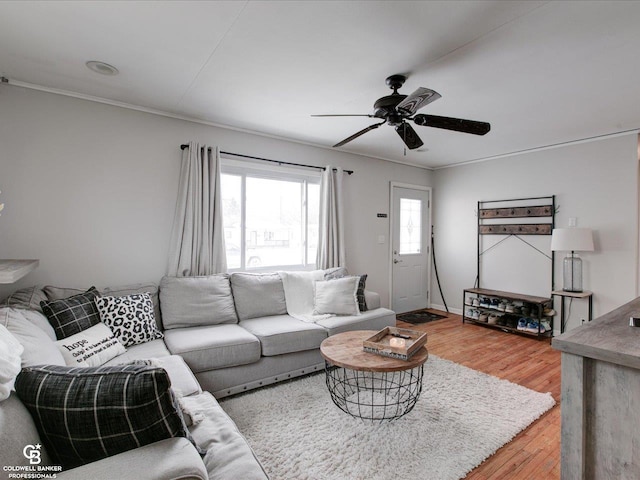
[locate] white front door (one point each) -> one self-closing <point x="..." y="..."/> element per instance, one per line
<point x="410" y="247"/>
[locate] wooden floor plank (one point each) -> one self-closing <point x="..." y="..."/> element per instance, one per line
<point x="527" y="361"/>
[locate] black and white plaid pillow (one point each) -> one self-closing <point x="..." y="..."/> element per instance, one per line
<point x="130" y="318"/>
<point x="72" y="315"/>
<point x="86" y="414"/>
<point x="341" y="272"/>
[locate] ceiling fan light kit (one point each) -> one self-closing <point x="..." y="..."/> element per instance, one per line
<point x="396" y="109"/>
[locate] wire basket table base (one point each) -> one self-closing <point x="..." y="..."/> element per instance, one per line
<point x="374" y="396"/>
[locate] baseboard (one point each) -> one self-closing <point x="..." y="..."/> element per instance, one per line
<point x="457" y="311"/>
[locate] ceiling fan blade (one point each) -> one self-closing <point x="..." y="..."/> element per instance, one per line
<point x="409" y="136"/>
<point x="417" y="100"/>
<point x="361" y="132"/>
<point x="344" y="115"/>
<point x="456" y="124"/>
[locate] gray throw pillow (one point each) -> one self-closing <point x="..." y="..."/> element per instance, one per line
<point x="258" y="295"/>
<point x="196" y="301"/>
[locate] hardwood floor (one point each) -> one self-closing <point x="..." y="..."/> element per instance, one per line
<point x="532" y="363"/>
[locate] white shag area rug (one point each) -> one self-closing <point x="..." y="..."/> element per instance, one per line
<point x="462" y="417"/>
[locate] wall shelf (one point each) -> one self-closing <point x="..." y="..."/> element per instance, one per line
<point x="13" y="270"/>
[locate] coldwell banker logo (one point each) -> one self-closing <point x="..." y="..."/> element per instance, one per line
<point x="32" y="453"/>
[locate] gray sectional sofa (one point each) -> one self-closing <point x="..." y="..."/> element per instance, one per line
<point x="223" y="334"/>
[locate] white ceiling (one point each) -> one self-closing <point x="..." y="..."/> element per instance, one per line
<point x="541" y="73"/>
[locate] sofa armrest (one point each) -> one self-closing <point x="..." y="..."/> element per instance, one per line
<point x="173" y="458"/>
<point x="372" y="299"/>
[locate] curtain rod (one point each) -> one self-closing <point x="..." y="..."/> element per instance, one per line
<point x="279" y="162"/>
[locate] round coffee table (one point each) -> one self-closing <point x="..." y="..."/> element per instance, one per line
<point x="370" y="386"/>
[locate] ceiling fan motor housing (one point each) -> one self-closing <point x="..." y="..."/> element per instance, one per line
<point x="385" y="107"/>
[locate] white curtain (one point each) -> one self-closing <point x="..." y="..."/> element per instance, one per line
<point x="331" y="251"/>
<point x="197" y="238"/>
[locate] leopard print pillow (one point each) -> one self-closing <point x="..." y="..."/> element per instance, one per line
<point x="130" y="318"/>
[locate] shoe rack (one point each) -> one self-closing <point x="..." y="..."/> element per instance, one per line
<point x="519" y="218"/>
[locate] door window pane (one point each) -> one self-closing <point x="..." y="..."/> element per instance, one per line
<point x="410" y="226"/>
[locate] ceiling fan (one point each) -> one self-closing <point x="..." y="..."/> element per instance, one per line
<point x="396" y="109"/>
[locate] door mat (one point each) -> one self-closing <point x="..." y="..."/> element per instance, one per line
<point x="419" y="316"/>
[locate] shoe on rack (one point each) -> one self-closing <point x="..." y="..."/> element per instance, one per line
<point x="476" y="302"/>
<point x="509" y="308"/>
<point x="468" y="301"/>
<point x="495" y="303"/>
<point x="546" y="325"/>
<point x="549" y="312"/>
<point x="517" y="310"/>
<point x="494" y="318"/>
<point x="502" y="306"/>
<point x="522" y="324"/>
<point x="502" y="321"/>
<point x="483" y="317"/>
<point x="533" y="326"/>
<point x="485" y="302"/>
<point x="526" y="310"/>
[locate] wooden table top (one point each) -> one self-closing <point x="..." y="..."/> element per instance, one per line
<point x="345" y="350"/>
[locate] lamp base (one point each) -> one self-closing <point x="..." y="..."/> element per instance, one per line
<point x="572" y="273"/>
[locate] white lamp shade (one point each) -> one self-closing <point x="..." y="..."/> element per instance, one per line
<point x="572" y="240"/>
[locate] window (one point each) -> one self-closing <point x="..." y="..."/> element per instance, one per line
<point x="270" y="216"/>
<point x="410" y="226"/>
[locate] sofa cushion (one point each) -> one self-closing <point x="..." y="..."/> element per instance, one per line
<point x="337" y="296"/>
<point x="196" y="301"/>
<point x="39" y="348"/>
<point x="56" y="293"/>
<point x="86" y="414"/>
<point x="281" y="334"/>
<point x="91" y="347"/>
<point x="152" y="349"/>
<point x="71" y="315"/>
<point x="370" y="320"/>
<point x="129" y="317"/>
<point x="18" y="430"/>
<point x="213" y="346"/>
<point x="29" y="298"/>
<point x="258" y="295"/>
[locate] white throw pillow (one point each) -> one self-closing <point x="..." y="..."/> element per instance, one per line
<point x="91" y="347"/>
<point x="338" y="297"/>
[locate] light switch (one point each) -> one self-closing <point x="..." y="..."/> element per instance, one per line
<point x="380" y="238"/>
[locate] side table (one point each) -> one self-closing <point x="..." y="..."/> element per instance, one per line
<point x="564" y="294"/>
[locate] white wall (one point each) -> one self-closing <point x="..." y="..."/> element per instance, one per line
<point x="90" y="189"/>
<point x="594" y="181"/>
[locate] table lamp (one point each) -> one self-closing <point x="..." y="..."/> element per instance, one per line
<point x="572" y="240"/>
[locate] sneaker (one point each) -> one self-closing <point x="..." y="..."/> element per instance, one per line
<point x="476" y="302"/>
<point x="483" y="317"/>
<point x="511" y="321"/>
<point x="484" y="302"/>
<point x="522" y="324"/>
<point x="546" y="325"/>
<point x="533" y="326"/>
<point x="494" y="318"/>
<point x="502" y="321"/>
<point x="517" y="310"/>
<point x="495" y="303"/>
<point x="468" y="312"/>
<point x="468" y="301"/>
<point x="509" y="308"/>
<point x="502" y="306"/>
<point x="549" y="312"/>
<point x="526" y="310"/>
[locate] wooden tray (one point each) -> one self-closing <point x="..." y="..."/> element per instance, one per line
<point x="395" y="343"/>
